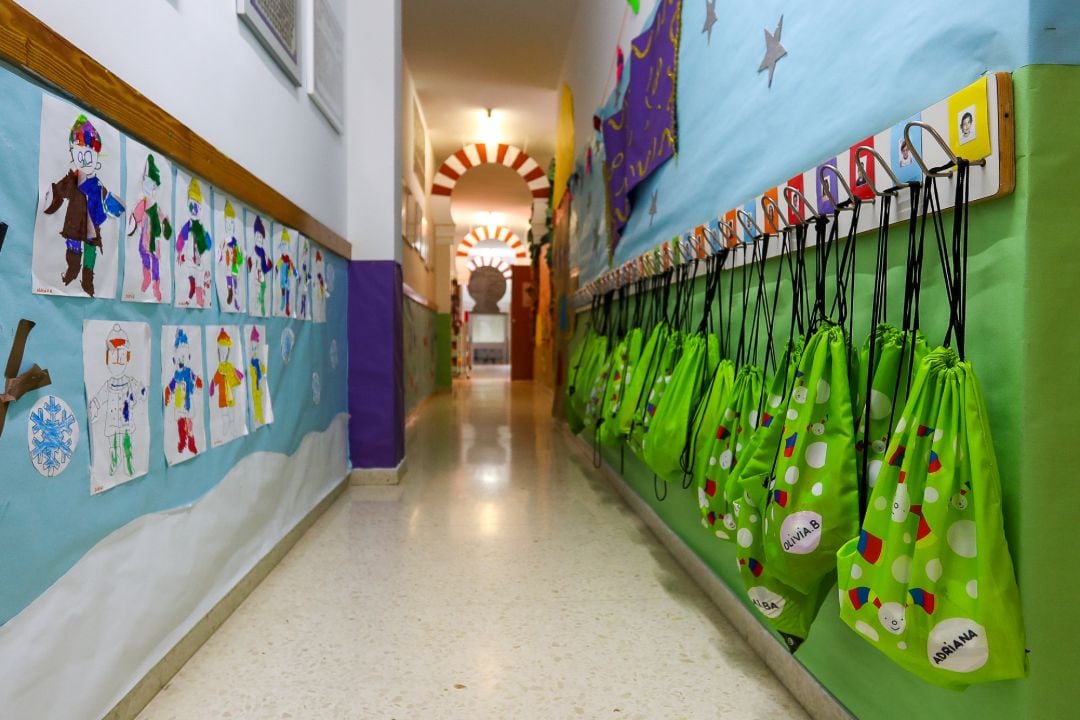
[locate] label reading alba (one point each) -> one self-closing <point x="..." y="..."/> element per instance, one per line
<point x="766" y="601"/>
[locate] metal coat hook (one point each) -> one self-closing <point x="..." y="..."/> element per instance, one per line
<point x="712" y="237"/>
<point x="746" y="221"/>
<point x="729" y="233"/>
<point x="827" y="188"/>
<point x="686" y="249"/>
<point x="796" y="210"/>
<point x="953" y="160"/>
<point x="771" y="208"/>
<point x="860" y="168"/>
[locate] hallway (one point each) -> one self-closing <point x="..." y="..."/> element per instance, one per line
<point x="503" y="578"/>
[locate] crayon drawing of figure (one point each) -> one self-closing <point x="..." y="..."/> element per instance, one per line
<point x="259" y="375"/>
<point x="115" y="403"/>
<point x="303" y="310"/>
<point x="89" y="205"/>
<point x="228" y="415"/>
<point x="193" y="245"/>
<point x="181" y="394"/>
<point x="287" y="275"/>
<point x="230" y="260"/>
<point x="319" y="289"/>
<point x="150" y="224"/>
<point x="260" y="267"/>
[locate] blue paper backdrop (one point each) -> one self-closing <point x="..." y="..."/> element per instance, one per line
<point x="47" y="524"/>
<point x="852" y="69"/>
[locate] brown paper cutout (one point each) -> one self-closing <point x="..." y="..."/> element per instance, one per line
<point x="16" y="385"/>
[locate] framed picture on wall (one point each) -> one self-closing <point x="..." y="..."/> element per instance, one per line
<point x="419" y="146"/>
<point x="277" y="25"/>
<point x="325" y="63"/>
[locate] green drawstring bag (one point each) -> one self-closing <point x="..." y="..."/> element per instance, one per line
<point x="595" y="374"/>
<point x="929" y="580"/>
<point x="732" y="432"/>
<point x="576" y="390"/>
<point x="598" y="392"/>
<point x="656" y="387"/>
<point x="626" y="355"/>
<point x="666" y="435"/>
<point x="893" y="358"/>
<point x="813" y="507"/>
<point x="637" y="377"/>
<point x="709" y="409"/>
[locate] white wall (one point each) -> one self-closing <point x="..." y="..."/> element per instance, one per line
<point x="198" y="60"/>
<point x="373" y="123"/>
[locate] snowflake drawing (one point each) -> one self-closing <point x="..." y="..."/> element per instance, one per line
<point x="53" y="435"/>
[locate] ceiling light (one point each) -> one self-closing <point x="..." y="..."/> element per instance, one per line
<point x="489" y="128"/>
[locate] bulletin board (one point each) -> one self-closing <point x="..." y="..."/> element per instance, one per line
<point x="133" y="484"/>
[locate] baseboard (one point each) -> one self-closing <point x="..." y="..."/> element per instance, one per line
<point x="152" y="683"/>
<point x="818" y="702"/>
<point x="378" y="476"/>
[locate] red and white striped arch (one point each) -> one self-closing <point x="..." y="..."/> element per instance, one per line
<point x="499" y="265"/>
<point x="509" y="156"/>
<point x="502" y="234"/>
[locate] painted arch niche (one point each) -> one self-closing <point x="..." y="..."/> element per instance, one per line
<point x="477" y="155"/>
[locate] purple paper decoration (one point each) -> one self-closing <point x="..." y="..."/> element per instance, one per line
<point x="824" y="204"/>
<point x="641" y="135"/>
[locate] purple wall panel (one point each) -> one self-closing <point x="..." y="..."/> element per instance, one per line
<point x="376" y="367"/>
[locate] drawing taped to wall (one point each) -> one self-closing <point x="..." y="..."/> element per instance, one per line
<point x="303" y="289"/>
<point x="288" y="342"/>
<point x="76" y="236"/>
<point x="52" y="434"/>
<point x="229" y="255"/>
<point x="194" y="244"/>
<point x="148" y="233"/>
<point x="286" y="272"/>
<point x="116" y="372"/>
<point x="258" y="380"/>
<point x="260" y="264"/>
<point x="320" y="290"/>
<point x="183" y="389"/>
<point x="228" y="409"/>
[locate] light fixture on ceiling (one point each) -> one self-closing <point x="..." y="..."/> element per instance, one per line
<point x="489" y="128"/>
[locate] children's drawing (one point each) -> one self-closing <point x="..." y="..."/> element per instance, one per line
<point x="316" y="388"/>
<point x="331" y="274"/>
<point x="260" y="263"/>
<point x="194" y="245"/>
<point x="288" y="342"/>
<point x="52" y="434"/>
<point x="75" y="235"/>
<point x="148" y="238"/>
<point x="320" y="291"/>
<point x="183" y="384"/>
<point x="303" y="289"/>
<point x="116" y="371"/>
<point x="229" y="259"/>
<point x="228" y="411"/>
<point x="258" y="379"/>
<point x="285" y="246"/>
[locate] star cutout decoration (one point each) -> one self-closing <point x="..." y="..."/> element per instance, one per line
<point x="652" y="207"/>
<point x="773" y="50"/>
<point x="710" y="20"/>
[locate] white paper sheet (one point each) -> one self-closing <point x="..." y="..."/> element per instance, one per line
<point x="230" y="250"/>
<point x="78" y="176"/>
<point x="228" y="387"/>
<point x="286" y="272"/>
<point x="260" y="264"/>
<point x="116" y="369"/>
<point x="320" y="292"/>
<point x="148" y="275"/>
<point x="194" y="246"/>
<point x="183" y="391"/>
<point x="258" y="376"/>
<point x="303" y="290"/>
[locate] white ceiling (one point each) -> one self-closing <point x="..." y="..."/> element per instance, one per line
<point x="467" y="55"/>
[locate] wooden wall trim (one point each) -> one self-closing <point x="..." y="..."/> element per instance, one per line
<point x="33" y="46"/>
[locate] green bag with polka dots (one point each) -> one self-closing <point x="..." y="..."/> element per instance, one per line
<point x="582" y="372"/>
<point x="667" y="433"/>
<point x="929" y="579"/>
<point x="814" y="507"/>
<point x="638" y="377"/>
<point x="598" y="387"/>
<point x="655" y="388"/>
<point x="732" y="430"/>
<point x="626" y="354"/>
<point x="709" y="409"/>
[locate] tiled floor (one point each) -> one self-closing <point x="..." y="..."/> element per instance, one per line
<point x="503" y="579"/>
